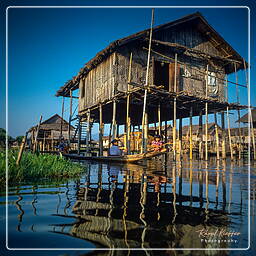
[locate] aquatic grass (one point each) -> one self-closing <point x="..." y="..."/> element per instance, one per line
<point x="34" y="167"/>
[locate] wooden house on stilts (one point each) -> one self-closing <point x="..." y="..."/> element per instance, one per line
<point x="187" y="72"/>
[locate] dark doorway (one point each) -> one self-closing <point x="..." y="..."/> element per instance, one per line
<point x="161" y="74"/>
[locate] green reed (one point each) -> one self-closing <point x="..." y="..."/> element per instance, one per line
<point x="34" y="167"/>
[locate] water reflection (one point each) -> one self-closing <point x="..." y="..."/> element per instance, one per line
<point x="160" y="204"/>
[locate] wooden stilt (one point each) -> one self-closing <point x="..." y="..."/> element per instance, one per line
<point x="252" y="136"/>
<point x="217" y="136"/>
<point x="238" y="114"/>
<point x="206" y="116"/>
<point x="22" y="147"/>
<point x="200" y="135"/>
<point x="190" y="135"/>
<point x="70" y="117"/>
<point x="62" y="114"/>
<point x="114" y="120"/>
<point x="159" y="119"/>
<point x="101" y="128"/>
<point x="180" y="136"/>
<point x="128" y="119"/>
<point x="229" y="136"/>
<point x="88" y="132"/>
<point x="36" y="136"/>
<point x="165" y="131"/>
<point x="223" y="135"/>
<point x="174" y="107"/>
<point x="79" y="136"/>
<point x="146" y="132"/>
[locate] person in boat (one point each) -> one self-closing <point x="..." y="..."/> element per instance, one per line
<point x="114" y="149"/>
<point x="157" y="144"/>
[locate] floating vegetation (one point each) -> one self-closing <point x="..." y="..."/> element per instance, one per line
<point x="34" y="167"/>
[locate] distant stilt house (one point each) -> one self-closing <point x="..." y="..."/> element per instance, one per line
<point x="50" y="132"/>
<point x="136" y="81"/>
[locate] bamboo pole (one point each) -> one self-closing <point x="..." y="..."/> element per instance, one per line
<point x="223" y="135"/>
<point x="62" y="113"/>
<point x="22" y="147"/>
<point x="101" y="127"/>
<point x="190" y="134"/>
<point x="238" y="114"/>
<point x="174" y="108"/>
<point x="128" y="119"/>
<point x="217" y="136"/>
<point x="206" y="116"/>
<point x="37" y="131"/>
<point x="88" y="132"/>
<point x="70" y="117"/>
<point x="200" y="148"/>
<point x="229" y="135"/>
<point x="143" y="148"/>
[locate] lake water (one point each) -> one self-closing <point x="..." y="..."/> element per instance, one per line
<point x="157" y="204"/>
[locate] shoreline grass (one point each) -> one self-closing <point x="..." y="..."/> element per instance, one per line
<point x="36" y="167"/>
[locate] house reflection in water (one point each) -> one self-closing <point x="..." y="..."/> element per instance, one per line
<point x="163" y="206"/>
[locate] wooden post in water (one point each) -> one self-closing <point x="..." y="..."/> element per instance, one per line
<point x="88" y="128"/>
<point x="217" y="136"/>
<point x="174" y="108"/>
<point x="206" y="115"/>
<point x="70" y="117"/>
<point x="190" y="134"/>
<point x="101" y="128"/>
<point x="229" y="136"/>
<point x="238" y="114"/>
<point x="22" y="147"/>
<point x="200" y="130"/>
<point x="223" y="135"/>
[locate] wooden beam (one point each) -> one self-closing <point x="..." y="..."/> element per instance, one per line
<point x="114" y="120"/>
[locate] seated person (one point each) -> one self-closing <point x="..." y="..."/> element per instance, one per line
<point x="114" y="149"/>
<point x="157" y="144"/>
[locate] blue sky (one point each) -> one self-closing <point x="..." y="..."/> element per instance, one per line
<point x="47" y="47"/>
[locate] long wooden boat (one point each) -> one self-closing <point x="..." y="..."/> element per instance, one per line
<point x="124" y="158"/>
